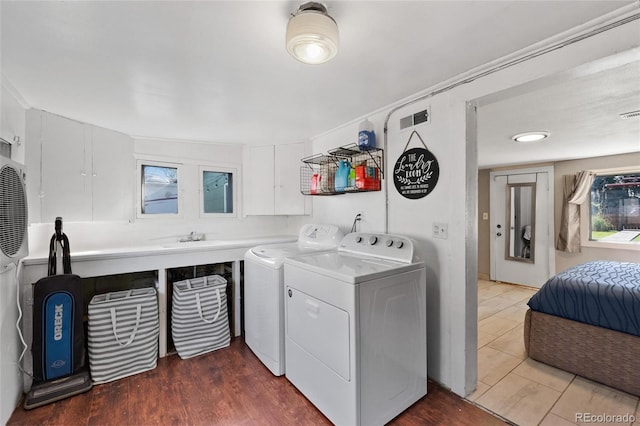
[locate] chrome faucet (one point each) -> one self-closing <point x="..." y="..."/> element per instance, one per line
<point x="193" y="236"/>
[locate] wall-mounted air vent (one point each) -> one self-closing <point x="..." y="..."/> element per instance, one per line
<point x="13" y="213"/>
<point x="415" y="119"/>
<point x="630" y="114"/>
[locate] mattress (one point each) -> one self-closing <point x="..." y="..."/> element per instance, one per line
<point x="601" y="293"/>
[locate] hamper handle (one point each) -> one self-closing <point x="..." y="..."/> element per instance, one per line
<point x="206" y="280"/>
<point x="200" y="307"/>
<point x="135" y="329"/>
<point x="108" y="295"/>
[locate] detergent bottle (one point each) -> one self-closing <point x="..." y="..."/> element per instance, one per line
<point x="352" y="177"/>
<point x="366" y="136"/>
<point x="342" y="175"/>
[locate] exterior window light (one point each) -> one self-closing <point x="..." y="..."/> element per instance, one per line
<point x="312" y="35"/>
<point x="530" y="136"/>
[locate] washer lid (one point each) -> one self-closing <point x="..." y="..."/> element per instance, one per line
<point x="351" y="268"/>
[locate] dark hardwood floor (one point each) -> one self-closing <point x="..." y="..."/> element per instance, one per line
<point x="226" y="387"/>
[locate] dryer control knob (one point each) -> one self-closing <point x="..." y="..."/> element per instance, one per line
<point x="358" y="239"/>
<point x="373" y="239"/>
<point x="399" y="244"/>
<point x="389" y="243"/>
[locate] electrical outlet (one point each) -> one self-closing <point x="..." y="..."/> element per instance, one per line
<point x="485" y="216"/>
<point x="441" y="230"/>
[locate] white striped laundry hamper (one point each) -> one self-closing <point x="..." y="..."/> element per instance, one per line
<point x="123" y="334"/>
<point x="199" y="320"/>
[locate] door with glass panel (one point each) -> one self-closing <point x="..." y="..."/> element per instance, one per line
<point x="521" y="217"/>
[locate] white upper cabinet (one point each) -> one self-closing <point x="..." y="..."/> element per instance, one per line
<point x="288" y="199"/>
<point x="85" y="172"/>
<point x="272" y="180"/>
<point x="66" y="155"/>
<point x="259" y="181"/>
<point x="112" y="168"/>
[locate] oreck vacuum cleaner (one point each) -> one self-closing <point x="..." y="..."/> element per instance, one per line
<point x="58" y="333"/>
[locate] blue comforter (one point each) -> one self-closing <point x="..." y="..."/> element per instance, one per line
<point x="600" y="293"/>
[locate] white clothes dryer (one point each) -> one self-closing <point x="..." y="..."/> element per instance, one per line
<point x="264" y="291"/>
<point x="355" y="328"/>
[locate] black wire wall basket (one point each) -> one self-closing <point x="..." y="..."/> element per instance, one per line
<point x="317" y="175"/>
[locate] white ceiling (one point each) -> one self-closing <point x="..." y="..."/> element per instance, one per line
<point x="218" y="70"/>
<point x="580" y="108"/>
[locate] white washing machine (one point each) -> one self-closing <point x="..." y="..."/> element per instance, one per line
<point x="264" y="291"/>
<point x="355" y="328"/>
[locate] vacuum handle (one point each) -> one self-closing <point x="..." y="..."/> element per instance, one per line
<point x="58" y="227"/>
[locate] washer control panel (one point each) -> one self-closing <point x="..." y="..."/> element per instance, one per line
<point x="387" y="246"/>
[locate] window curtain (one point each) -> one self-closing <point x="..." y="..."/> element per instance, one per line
<point x="576" y="191"/>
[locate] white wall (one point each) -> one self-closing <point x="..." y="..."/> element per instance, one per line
<point x="452" y="262"/>
<point x="341" y="209"/>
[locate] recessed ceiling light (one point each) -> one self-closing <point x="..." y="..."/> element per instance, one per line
<point x="530" y="136"/>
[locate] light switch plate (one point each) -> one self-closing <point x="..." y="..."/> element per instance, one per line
<point x="440" y="230"/>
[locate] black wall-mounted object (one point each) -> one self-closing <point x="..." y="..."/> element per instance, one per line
<point x="416" y="171"/>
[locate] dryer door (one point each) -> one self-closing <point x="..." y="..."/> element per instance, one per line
<point x="320" y="329"/>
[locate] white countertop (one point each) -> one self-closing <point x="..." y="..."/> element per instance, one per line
<point x="165" y="249"/>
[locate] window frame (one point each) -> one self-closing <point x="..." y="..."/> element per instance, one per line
<point x="140" y="162"/>
<point x="585" y="216"/>
<point x="235" y="173"/>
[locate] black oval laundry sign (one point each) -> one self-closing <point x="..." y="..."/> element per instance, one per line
<point x="416" y="173"/>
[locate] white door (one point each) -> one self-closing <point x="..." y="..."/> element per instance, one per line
<point x="522" y="249"/>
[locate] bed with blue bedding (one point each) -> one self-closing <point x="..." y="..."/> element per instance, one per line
<point x="601" y="293"/>
<point x="586" y="320"/>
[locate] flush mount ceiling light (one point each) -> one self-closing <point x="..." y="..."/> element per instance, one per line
<point x="312" y="35"/>
<point x="530" y="136"/>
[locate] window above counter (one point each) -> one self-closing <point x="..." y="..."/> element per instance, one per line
<point x="185" y="189"/>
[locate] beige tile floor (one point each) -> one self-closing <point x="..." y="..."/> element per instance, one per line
<point x="527" y="392"/>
